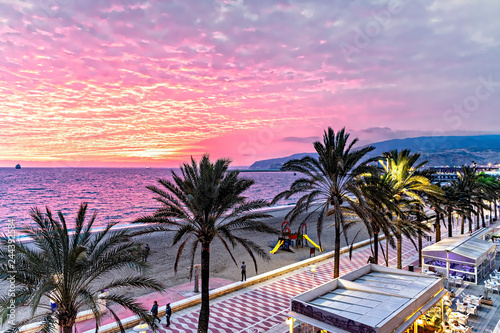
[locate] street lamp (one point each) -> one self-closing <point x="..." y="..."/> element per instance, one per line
<point x="289" y="322"/>
<point x="418" y="322"/>
<point x="313" y="270"/>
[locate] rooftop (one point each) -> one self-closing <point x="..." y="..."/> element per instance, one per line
<point x="379" y="297"/>
<point x="464" y="245"/>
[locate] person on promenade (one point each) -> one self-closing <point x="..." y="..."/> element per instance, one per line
<point x="168" y="313"/>
<point x="371" y="260"/>
<point x="243" y="271"/>
<point x="154" y="311"/>
<point x="147" y="249"/>
<point x="53" y="306"/>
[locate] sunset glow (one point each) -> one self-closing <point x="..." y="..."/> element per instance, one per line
<point x="150" y="83"/>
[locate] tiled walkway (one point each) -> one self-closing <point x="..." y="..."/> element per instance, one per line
<point x="263" y="307"/>
<point x="260" y="308"/>
<point x="487" y="316"/>
<point x="172" y="295"/>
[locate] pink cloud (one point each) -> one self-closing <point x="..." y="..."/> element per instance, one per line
<point x="153" y="82"/>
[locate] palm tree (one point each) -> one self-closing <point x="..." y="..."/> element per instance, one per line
<point x="462" y="194"/>
<point x="379" y="207"/>
<point x="69" y="268"/>
<point x="436" y="202"/>
<point x="450" y="205"/>
<point x="203" y="204"/>
<point x="331" y="182"/>
<point x="488" y="186"/>
<point x="409" y="188"/>
<point x="467" y="191"/>
<point x="419" y="215"/>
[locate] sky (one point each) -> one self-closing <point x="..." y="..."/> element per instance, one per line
<point x="135" y="83"/>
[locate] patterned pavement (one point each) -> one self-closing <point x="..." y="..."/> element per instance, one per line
<point x="259" y="308"/>
<point x="264" y="306"/>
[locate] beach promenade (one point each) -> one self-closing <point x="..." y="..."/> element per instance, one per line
<point x="260" y="307"/>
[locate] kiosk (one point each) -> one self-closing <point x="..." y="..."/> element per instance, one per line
<point x="371" y="299"/>
<point x="466" y="257"/>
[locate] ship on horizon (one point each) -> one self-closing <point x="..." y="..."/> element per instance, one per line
<point x="18" y="166"/>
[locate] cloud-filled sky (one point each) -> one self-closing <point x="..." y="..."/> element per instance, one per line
<point x="150" y="83"/>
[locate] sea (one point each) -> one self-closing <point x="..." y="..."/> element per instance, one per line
<point x="117" y="194"/>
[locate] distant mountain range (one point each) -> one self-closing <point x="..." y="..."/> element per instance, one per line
<point x="438" y="150"/>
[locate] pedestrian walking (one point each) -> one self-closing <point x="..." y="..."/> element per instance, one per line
<point x="243" y="272"/>
<point x="371" y="260"/>
<point x="168" y="313"/>
<point x="147" y="249"/>
<point x="154" y="311"/>
<point x="53" y="306"/>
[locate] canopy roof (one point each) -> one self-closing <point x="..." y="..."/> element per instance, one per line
<point x="370" y="299"/>
<point x="464" y="245"/>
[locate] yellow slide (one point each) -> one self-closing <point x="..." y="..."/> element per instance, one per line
<point x="314" y="244"/>
<point x="277" y="247"/>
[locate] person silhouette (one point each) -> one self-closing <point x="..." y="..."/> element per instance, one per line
<point x="243" y="271"/>
<point x="168" y="313"/>
<point x="154" y="311"/>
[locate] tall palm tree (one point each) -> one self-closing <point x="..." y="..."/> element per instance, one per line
<point x="377" y="190"/>
<point x="436" y="202"/>
<point x="461" y="193"/>
<point x="437" y="205"/>
<point x="69" y="268"/>
<point x="488" y="186"/>
<point x="419" y="216"/>
<point x="409" y="188"/>
<point x="467" y="191"/>
<point x="331" y="182"/>
<point x="450" y="205"/>
<point x="205" y="203"/>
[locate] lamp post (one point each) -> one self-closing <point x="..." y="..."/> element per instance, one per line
<point x="456" y="218"/>
<point x="289" y="322"/>
<point x="418" y="323"/>
<point x="313" y="270"/>
<point x="196" y="277"/>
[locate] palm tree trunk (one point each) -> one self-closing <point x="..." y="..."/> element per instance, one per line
<point x="450" y="225"/>
<point x="483" y="224"/>
<point x="438" y="226"/>
<point x="205" y="275"/>
<point x="462" y="227"/>
<point x="470" y="222"/>
<point x="420" y="248"/>
<point x="339" y="221"/>
<point x="477" y="219"/>
<point x="399" y="239"/>
<point x="491" y="211"/>
<point x="375" y="246"/>
<point x="336" y="270"/>
<point x="387" y="251"/>
<point x="495" y="207"/>
<point x="336" y="261"/>
<point x="66" y="321"/>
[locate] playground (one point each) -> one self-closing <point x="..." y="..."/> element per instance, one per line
<point x="288" y="239"/>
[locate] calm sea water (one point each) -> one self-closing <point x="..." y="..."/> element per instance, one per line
<point x="117" y="194"/>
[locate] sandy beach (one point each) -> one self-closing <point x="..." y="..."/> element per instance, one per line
<point x="162" y="256"/>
